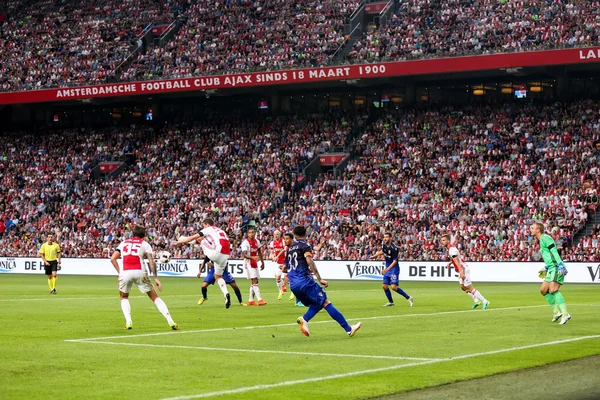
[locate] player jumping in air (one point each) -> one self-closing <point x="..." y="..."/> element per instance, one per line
<point x="252" y="255"/>
<point x="391" y="273"/>
<point x="299" y="265"/>
<point x="210" y="280"/>
<point x="464" y="272"/>
<point x="278" y="251"/>
<point x="134" y="251"/>
<point x="215" y="245"/>
<point x="553" y="274"/>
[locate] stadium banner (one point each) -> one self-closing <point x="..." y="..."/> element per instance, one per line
<point x="376" y="8"/>
<point x="426" y="271"/>
<point x="309" y="75"/>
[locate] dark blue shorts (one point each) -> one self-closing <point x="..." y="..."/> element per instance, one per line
<point x="210" y="277"/>
<point x="392" y="277"/>
<point x="309" y="293"/>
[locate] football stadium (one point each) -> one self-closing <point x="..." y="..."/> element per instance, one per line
<point x="299" y="199"/>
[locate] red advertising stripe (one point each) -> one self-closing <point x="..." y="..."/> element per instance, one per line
<point x="375" y="8"/>
<point x="307" y="75"/>
<point x="331" y="159"/>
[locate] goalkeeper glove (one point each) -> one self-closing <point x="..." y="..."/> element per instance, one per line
<point x="542" y="273"/>
<point x="562" y="271"/>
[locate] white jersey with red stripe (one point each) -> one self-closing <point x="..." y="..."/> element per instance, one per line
<point x="134" y="251"/>
<point x="275" y="247"/>
<point x="251" y="247"/>
<point x="215" y="241"/>
<point x="455" y="257"/>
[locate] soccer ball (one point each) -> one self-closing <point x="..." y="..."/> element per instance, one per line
<point x="164" y="257"/>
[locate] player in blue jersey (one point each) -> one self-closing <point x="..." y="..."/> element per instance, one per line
<point x="288" y="239"/>
<point x="299" y="265"/>
<point x="391" y="272"/>
<point x="210" y="280"/>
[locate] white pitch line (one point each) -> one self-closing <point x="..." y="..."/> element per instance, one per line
<point x="293" y="324"/>
<point x="370" y="371"/>
<point x="299" y="353"/>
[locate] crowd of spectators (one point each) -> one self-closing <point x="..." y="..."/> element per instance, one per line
<point x="243" y="36"/>
<point x="50" y="43"/>
<point x="429" y="28"/>
<point x="235" y="171"/>
<point x="481" y="173"/>
<point x="587" y="249"/>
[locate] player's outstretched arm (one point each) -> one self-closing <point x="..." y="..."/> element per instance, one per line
<point x="275" y="258"/>
<point x="150" y="257"/>
<point x="115" y="256"/>
<point x="313" y="269"/>
<point x="186" y="239"/>
<point x="376" y="255"/>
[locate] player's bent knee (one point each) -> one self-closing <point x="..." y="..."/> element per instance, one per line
<point x="394" y="287"/>
<point x="384" y="286"/>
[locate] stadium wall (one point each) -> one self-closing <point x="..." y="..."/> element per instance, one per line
<point x="333" y="270"/>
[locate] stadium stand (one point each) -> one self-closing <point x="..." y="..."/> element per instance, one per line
<point x="481" y="172"/>
<point x="425" y="29"/>
<point x="233" y="170"/>
<point x="50" y="43"/>
<point x="258" y="35"/>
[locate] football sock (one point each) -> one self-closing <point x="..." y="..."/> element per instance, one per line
<point x="472" y="297"/>
<point x="402" y="293"/>
<point x="478" y="295"/>
<point x="162" y="307"/>
<point x="251" y="298"/>
<point x="238" y="294"/>
<point x="54" y="279"/>
<point x="280" y="285"/>
<point x="126" y="307"/>
<point x="222" y="285"/>
<point x="257" y="292"/>
<point x="311" y="312"/>
<point x="560" y="301"/>
<point x="550" y="299"/>
<point x="50" y="284"/>
<point x="204" y="293"/>
<point x="336" y="315"/>
<point x="388" y="294"/>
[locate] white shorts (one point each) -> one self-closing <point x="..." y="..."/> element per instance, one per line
<point x="220" y="261"/>
<point x="279" y="272"/>
<point x="252" y="273"/>
<point x="467" y="280"/>
<point x="139" y="277"/>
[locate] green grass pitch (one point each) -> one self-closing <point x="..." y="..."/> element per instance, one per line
<point x="72" y="345"/>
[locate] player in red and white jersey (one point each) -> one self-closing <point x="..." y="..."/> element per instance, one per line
<point x="277" y="250"/>
<point x="252" y="253"/>
<point x="215" y="245"/>
<point x="133" y="252"/>
<point x="464" y="273"/>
